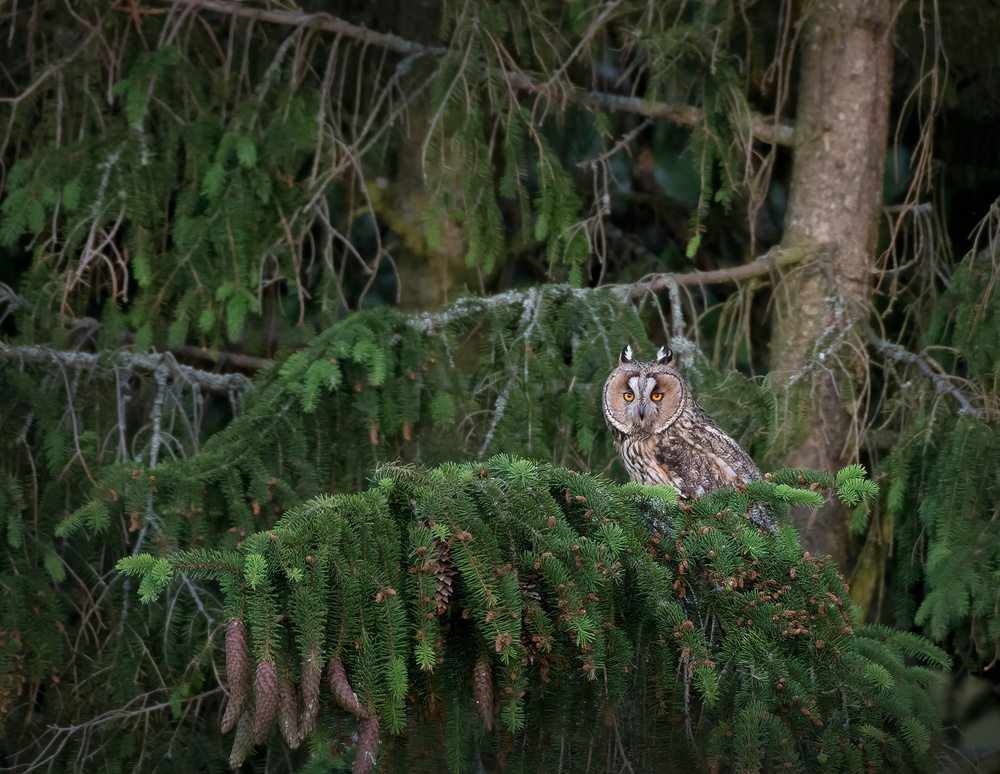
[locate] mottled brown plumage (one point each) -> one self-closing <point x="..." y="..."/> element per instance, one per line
<point x="665" y="437"/>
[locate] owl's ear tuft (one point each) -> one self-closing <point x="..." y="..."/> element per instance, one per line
<point x="626" y="356"/>
<point x="664" y="356"/>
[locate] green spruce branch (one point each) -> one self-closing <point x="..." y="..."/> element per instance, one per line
<point x="545" y="592"/>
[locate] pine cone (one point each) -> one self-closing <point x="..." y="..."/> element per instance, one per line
<point x="445" y="571"/>
<point x="288" y="719"/>
<point x="243" y="741"/>
<point x="342" y="691"/>
<point x="237" y="673"/>
<point x="311" y="678"/>
<point x="529" y="645"/>
<point x="267" y="700"/>
<point x="482" y="689"/>
<point x="368" y="734"/>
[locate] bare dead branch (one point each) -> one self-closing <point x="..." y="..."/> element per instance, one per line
<point x="89" y="326"/>
<point x="940" y="382"/>
<point x="224" y="384"/>
<point x="225" y="359"/>
<point x="55" y="738"/>
<point x="765" y="264"/>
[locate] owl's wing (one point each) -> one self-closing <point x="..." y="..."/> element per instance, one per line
<point x="714" y="460"/>
<point x="699" y="455"/>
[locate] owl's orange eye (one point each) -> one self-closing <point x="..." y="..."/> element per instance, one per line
<point x="657" y="396"/>
<point x="628" y="396"/>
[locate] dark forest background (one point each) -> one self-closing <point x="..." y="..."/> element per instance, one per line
<point x="253" y="252"/>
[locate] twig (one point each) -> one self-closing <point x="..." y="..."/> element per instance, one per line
<point x="125" y="713"/>
<point x="762" y="127"/>
<point x="60" y="735"/>
<point x="941" y="384"/>
<point x="624" y="142"/>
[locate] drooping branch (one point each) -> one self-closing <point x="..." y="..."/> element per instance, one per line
<point x="760" y="127"/>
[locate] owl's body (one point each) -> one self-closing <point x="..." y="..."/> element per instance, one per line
<point x="665" y="437"/>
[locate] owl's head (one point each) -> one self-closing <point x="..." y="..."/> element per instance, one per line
<point x="643" y="398"/>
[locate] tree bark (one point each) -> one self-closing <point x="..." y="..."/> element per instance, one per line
<point x="836" y="194"/>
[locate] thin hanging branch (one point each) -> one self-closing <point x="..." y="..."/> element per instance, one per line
<point x="761" y="127"/>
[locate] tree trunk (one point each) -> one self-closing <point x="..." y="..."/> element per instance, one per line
<point x="834" y="205"/>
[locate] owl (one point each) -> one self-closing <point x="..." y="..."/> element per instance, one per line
<point x="665" y="437"/>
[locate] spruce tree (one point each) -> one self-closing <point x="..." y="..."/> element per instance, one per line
<point x="217" y="225"/>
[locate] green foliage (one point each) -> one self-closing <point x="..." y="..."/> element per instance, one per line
<point x="965" y="317"/>
<point x="854" y="486"/>
<point x="581" y="595"/>
<point x="941" y="477"/>
<point x="203" y="182"/>
<point x="379" y="385"/>
<point x="74" y="645"/>
<point x="959" y="571"/>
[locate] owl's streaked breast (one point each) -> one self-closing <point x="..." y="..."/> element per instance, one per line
<point x="646" y="465"/>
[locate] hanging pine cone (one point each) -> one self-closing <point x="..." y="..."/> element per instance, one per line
<point x="482" y="689"/>
<point x="444" y="571"/>
<point x="242" y="741"/>
<point x="368" y="733"/>
<point x="267" y="700"/>
<point x="237" y="673"/>
<point x="311" y="678"/>
<point x="342" y="691"/>
<point x="288" y="718"/>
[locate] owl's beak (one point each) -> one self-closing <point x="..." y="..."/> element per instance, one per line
<point x="642" y="412"/>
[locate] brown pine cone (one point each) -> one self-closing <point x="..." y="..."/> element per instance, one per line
<point x="311" y="678"/>
<point x="368" y="735"/>
<point x="242" y="741"/>
<point x="267" y="700"/>
<point x="288" y="718"/>
<point x="444" y="571"/>
<point x="237" y="673"/>
<point x="342" y="691"/>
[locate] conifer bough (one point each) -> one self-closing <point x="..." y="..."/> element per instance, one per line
<point x="586" y="622"/>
